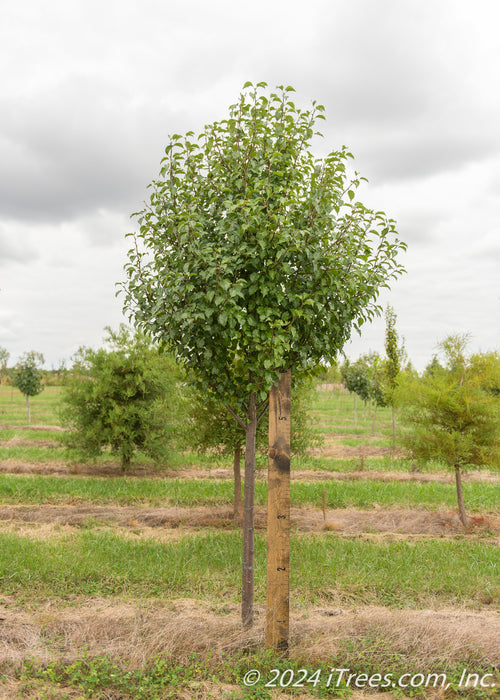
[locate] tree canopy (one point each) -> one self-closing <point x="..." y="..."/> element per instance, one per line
<point x="254" y="255"/>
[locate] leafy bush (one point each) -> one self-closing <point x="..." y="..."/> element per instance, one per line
<point x="120" y="399"/>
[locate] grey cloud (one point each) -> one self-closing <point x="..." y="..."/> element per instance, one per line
<point x="487" y="248"/>
<point x="365" y="63"/>
<point x="104" y="229"/>
<point x="79" y="147"/>
<point x="10" y="327"/>
<point x="12" y="249"/>
<point x="423" y="152"/>
<point x="418" y="228"/>
<point x="398" y="87"/>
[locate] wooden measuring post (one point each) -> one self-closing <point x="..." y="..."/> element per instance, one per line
<point x="278" y="516"/>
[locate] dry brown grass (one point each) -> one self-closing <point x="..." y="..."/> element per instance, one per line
<point x="113" y="469"/>
<point x="31" y="426"/>
<point x="19" y="442"/>
<point x="135" y="632"/>
<point x="163" y="523"/>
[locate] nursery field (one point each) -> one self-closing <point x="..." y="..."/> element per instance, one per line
<point x="124" y="586"/>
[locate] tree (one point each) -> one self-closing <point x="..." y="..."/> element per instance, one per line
<point x="27" y="376"/>
<point x="119" y="398"/>
<point x="4" y="359"/>
<point x="376" y="382"/>
<point x="252" y="257"/>
<point x="433" y="366"/>
<point x="395" y="356"/>
<point x="454" y="413"/>
<point x="356" y="380"/>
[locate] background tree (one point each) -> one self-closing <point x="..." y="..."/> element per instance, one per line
<point x="454" y="414"/>
<point x="329" y="374"/>
<point x="252" y="257"/>
<point x="395" y="356"/>
<point x="120" y="398"/>
<point x="27" y="376"/>
<point x="433" y="366"/>
<point x="4" y="359"/>
<point x="210" y="428"/>
<point x="376" y="382"/>
<point x="355" y="378"/>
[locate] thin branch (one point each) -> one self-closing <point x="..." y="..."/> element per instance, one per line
<point x="262" y="413"/>
<point x="235" y="416"/>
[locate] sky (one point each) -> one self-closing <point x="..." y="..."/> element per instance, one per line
<point x="92" y="89"/>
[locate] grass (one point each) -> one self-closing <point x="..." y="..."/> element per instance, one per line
<point x="32" y="453"/>
<point x="40" y="489"/>
<point x="44" y="407"/>
<point x="385" y="463"/>
<point x="29" y="435"/>
<point x="164" y="678"/>
<point x="102" y="563"/>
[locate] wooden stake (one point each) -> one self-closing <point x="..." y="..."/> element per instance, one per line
<point x="278" y="516"/>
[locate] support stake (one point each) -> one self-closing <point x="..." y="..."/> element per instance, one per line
<point x="278" y="516"/>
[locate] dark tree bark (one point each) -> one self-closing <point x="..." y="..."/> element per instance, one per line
<point x="373" y="419"/>
<point x="393" y="426"/>
<point x="238" y="505"/>
<point x="248" y="515"/>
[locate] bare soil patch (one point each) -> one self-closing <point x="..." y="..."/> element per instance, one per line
<point x="160" y="522"/>
<point x="112" y="469"/>
<point x="441" y="477"/>
<point x="51" y="428"/>
<point x="334" y="447"/>
<point x="19" y="442"/>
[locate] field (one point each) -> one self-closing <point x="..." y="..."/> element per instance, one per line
<point x="120" y="586"/>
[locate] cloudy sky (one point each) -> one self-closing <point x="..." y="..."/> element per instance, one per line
<point x="91" y="89"/>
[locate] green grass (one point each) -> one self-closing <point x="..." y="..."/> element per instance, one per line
<point x="207" y="565"/>
<point x="32" y="453"/>
<point x="386" y="463"/>
<point x="30" y="435"/>
<point x="38" y="489"/>
<point x="44" y="407"/>
<point x="163" y="677"/>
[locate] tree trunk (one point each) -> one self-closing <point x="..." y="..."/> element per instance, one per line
<point x="248" y="515"/>
<point x="125" y="460"/>
<point x="238" y="506"/>
<point x="29" y="409"/>
<point x="373" y="420"/>
<point x="393" y="427"/>
<point x="460" y="497"/>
